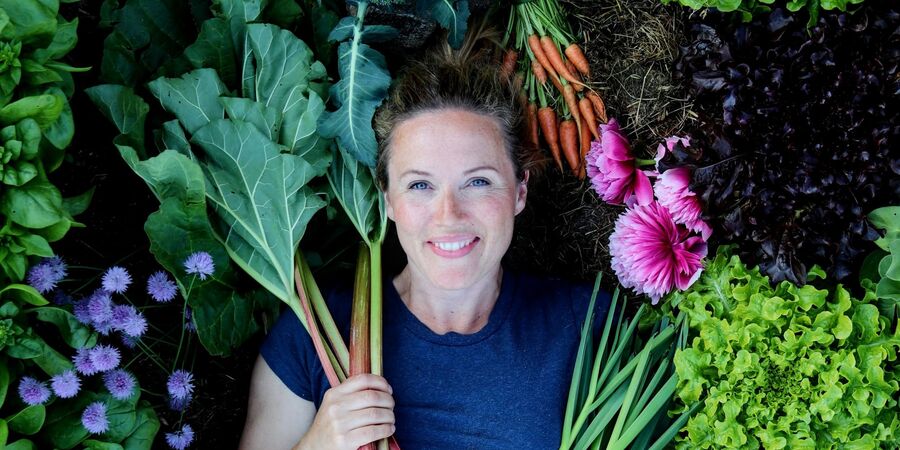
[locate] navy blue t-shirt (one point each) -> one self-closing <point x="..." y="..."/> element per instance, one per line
<point x="503" y="387"/>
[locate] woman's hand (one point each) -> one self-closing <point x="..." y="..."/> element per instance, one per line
<point x="358" y="411"/>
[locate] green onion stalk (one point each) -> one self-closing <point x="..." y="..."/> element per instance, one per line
<point x="619" y="398"/>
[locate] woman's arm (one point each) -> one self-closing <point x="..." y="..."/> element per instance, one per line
<point x="276" y="417"/>
<point x="358" y="411"/>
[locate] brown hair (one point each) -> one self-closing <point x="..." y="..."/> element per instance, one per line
<point x="465" y="79"/>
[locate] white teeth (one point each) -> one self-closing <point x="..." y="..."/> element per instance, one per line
<point x="452" y="246"/>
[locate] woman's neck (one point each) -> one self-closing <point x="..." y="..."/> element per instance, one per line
<point x="463" y="311"/>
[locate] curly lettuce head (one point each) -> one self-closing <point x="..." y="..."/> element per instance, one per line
<point x="785" y="367"/>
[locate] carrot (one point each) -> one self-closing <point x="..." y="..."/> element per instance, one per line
<point x="547" y="121"/>
<point x="587" y="112"/>
<point x="539" y="73"/>
<point x="568" y="138"/>
<point x="556" y="82"/>
<point x="535" y="44"/>
<point x="518" y="81"/>
<point x="551" y="52"/>
<point x="509" y="63"/>
<point x="572" y="102"/>
<point x="574" y="53"/>
<point x="531" y="118"/>
<point x="599" y="107"/>
<point x="585" y="148"/>
<point x="578" y="87"/>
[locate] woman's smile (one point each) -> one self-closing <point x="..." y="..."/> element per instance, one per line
<point x="452" y="247"/>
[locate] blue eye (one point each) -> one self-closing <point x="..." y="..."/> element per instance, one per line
<point x="480" y="182"/>
<point x="418" y="185"/>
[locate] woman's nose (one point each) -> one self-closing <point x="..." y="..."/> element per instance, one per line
<point x="449" y="208"/>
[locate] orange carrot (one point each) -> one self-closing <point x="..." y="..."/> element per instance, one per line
<point x="578" y="87"/>
<point x="574" y="53"/>
<point x="539" y="73"/>
<point x="585" y="148"/>
<point x="532" y="121"/>
<point x="599" y="107"/>
<point x="568" y="139"/>
<point x="587" y="112"/>
<point x="535" y="43"/>
<point x="572" y="102"/>
<point x="556" y="82"/>
<point x="551" y="52"/>
<point x="547" y="121"/>
<point x="509" y="63"/>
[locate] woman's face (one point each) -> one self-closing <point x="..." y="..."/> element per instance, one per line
<point x="453" y="194"/>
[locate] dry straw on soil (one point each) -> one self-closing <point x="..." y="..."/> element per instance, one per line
<point x="631" y="45"/>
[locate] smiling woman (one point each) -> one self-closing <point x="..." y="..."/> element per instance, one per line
<point x="474" y="356"/>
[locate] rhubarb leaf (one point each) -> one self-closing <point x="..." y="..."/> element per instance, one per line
<point x="363" y="85"/>
<point x="193" y="98"/>
<point x="260" y="194"/>
<point x="354" y="187"/>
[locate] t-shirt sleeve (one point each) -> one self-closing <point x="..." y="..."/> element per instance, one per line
<point x="287" y="350"/>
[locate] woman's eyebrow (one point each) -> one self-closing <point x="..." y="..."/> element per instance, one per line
<point x="480" y="168"/>
<point x="415" y="172"/>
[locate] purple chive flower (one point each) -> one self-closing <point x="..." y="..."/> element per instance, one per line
<point x="127" y="319"/>
<point x="180" y="384"/>
<point x="58" y="266"/>
<point x="180" y="404"/>
<point x="100" y="307"/>
<point x="120" y="384"/>
<point x="161" y="288"/>
<point x="94" y="418"/>
<point x="81" y="312"/>
<point x="41" y="277"/>
<point x="200" y="263"/>
<point x="116" y="279"/>
<point x="32" y="391"/>
<point x="66" y="384"/>
<point x="104" y="357"/>
<point x="83" y="364"/>
<point x="180" y="439"/>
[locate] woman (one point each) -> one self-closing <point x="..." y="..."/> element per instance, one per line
<point x="475" y="356"/>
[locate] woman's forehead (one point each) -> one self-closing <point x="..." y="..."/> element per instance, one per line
<point x="446" y="135"/>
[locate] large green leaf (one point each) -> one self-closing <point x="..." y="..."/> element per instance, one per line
<point x="261" y="196"/>
<point x="74" y="333"/>
<point x="283" y="68"/>
<point x="147" y="35"/>
<point x="193" y="98"/>
<point x="31" y="20"/>
<point x="451" y="15"/>
<point x="23" y="292"/>
<point x="28" y="421"/>
<point x="63" y="42"/>
<point x="146" y="427"/>
<point x="37" y="204"/>
<point x="21" y="444"/>
<point x="363" y="86"/>
<point x="120" y="105"/>
<point x="245" y="10"/>
<point x="214" y="49"/>
<point x="354" y="186"/>
<point x="266" y="120"/>
<point x="4" y="379"/>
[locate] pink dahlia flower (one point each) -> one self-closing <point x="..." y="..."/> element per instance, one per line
<point x="672" y="189"/>
<point x="613" y="170"/>
<point x="652" y="254"/>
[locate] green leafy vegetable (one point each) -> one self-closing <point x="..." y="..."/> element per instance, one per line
<point x="363" y="85"/>
<point x="788" y="366"/>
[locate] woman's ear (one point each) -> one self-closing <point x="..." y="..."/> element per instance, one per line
<point x="388" y="209"/>
<point x="522" y="192"/>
